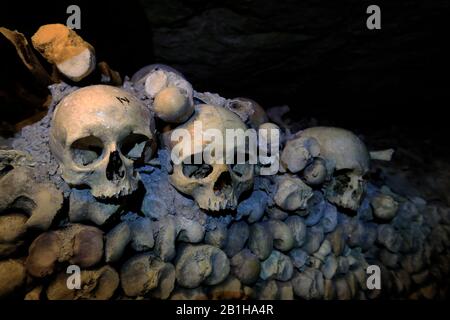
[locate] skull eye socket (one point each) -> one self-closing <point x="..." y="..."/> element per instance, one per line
<point x="136" y="147"/>
<point x="241" y="165"/>
<point x="196" y="171"/>
<point x="86" y="150"/>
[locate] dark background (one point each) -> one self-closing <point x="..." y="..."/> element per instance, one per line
<point x="318" y="57"/>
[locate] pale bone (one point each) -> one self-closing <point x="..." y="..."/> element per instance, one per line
<point x="292" y="193"/>
<point x="308" y="284"/>
<point x="238" y="234"/>
<point x="249" y="292"/>
<point x="254" y="112"/>
<point x="153" y="207"/>
<point x="298" y="152"/>
<point x="155" y="82"/>
<point x="169" y="228"/>
<point x="142" y="234"/>
<point x="316" y="172"/>
<point x="97" y="284"/>
<point x="110" y="121"/>
<point x="211" y="98"/>
<point x="346" y="190"/>
<point x="314" y="238"/>
<point x="341" y="150"/>
<point x="84" y="207"/>
<point x="382" y="155"/>
<point x="141" y="75"/>
<point x="316" y="209"/>
<point x="267" y="290"/>
<point x="299" y="258"/>
<point x="343" y="265"/>
<point x="277" y="266"/>
<point x="201" y="264"/>
<point x="266" y="132"/>
<point x="170" y="92"/>
<point x="384" y="207"/>
<point x="260" y="240"/>
<point x="330" y="218"/>
<point x="34" y="294"/>
<point x="253" y="207"/>
<point x="230" y="289"/>
<point x="12" y="276"/>
<point x="329" y="290"/>
<point x="246" y="266"/>
<point x="237" y="179"/>
<point x="361" y="276"/>
<point x="188" y="294"/>
<point x="343" y="291"/>
<point x="171" y="105"/>
<point x="189" y="230"/>
<point x="147" y="274"/>
<point x="298" y="229"/>
<point x="116" y="241"/>
<point x="76" y="244"/>
<point x="285" y="290"/>
<point x="283" y="239"/>
<point x="330" y="267"/>
<point x="324" y="250"/>
<point x="10" y="158"/>
<point x="337" y="239"/>
<point x="165" y="236"/>
<point x="61" y="46"/>
<point x="12" y="231"/>
<point x="41" y="201"/>
<point x="217" y="237"/>
<point x="352" y="284"/>
<point x="275" y="213"/>
<point x="355" y="230"/>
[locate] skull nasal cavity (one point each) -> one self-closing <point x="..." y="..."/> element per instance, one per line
<point x="223" y="181"/>
<point x="114" y="170"/>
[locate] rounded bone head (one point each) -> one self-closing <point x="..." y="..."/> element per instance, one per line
<point x="170" y="92"/>
<point x="215" y="186"/>
<point x="97" y="133"/>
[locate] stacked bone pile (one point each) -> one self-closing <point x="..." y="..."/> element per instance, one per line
<point x="139" y="226"/>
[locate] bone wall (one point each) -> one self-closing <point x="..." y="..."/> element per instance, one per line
<point x="169" y="248"/>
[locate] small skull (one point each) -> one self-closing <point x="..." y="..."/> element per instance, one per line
<point x="333" y="156"/>
<point x="98" y="134"/>
<point x="215" y="186"/>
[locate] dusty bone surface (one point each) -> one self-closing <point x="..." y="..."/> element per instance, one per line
<point x="311" y="247"/>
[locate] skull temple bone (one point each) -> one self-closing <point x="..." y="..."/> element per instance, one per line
<point x="98" y="134"/>
<point x="214" y="186"/>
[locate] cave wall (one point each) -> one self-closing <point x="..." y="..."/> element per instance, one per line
<point x="316" y="56"/>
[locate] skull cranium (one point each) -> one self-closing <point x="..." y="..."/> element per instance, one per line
<point x="98" y="133"/>
<point x="216" y="186"/>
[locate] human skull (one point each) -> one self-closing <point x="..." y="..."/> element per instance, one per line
<point x="215" y="186"/>
<point x="98" y="134"/>
<point x="345" y="161"/>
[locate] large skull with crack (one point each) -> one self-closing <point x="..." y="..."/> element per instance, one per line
<point x="214" y="185"/>
<point x="98" y="134"/>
